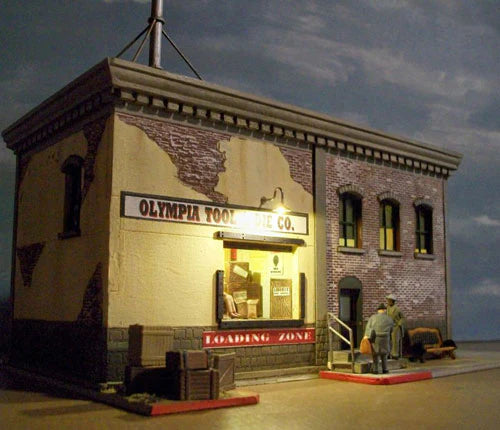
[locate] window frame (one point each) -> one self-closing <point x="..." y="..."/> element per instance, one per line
<point x="395" y="221"/>
<point x="283" y="244"/>
<point x="355" y="223"/>
<point x="425" y="212"/>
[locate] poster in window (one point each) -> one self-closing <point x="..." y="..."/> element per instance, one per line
<point x="276" y="264"/>
<point x="281" y="299"/>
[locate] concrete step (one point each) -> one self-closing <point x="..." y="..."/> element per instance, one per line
<point x="258" y="377"/>
<point x="363" y="364"/>
<point x="344" y="355"/>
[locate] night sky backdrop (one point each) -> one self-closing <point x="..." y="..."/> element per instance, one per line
<point x="426" y="70"/>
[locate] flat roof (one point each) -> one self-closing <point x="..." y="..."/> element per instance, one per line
<point x="119" y="85"/>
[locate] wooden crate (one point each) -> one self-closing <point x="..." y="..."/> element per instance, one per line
<point x="224" y="364"/>
<point x="147" y="345"/>
<point x="202" y="384"/>
<point x="186" y="360"/>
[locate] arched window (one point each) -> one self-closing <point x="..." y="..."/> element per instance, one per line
<point x="72" y="169"/>
<point x="350" y="220"/>
<point x="423" y="229"/>
<point x="389" y="225"/>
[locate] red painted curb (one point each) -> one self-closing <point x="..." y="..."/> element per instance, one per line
<point x="198" y="405"/>
<point x="376" y="380"/>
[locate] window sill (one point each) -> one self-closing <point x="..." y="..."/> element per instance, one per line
<point x="348" y="250"/>
<point x="386" y="253"/>
<point x="419" y="256"/>
<point x="259" y="323"/>
<point x="68" y="234"/>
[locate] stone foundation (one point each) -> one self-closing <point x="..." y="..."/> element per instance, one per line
<point x="246" y="358"/>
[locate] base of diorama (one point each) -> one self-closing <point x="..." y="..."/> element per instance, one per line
<point x="153" y="406"/>
<point x="143" y="403"/>
<point x="386" y="379"/>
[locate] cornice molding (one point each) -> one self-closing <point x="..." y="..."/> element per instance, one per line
<point x="136" y="88"/>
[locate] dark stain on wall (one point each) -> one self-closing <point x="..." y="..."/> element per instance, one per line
<point x="93" y="133"/>
<point x="91" y="313"/>
<point x="28" y="258"/>
<point x="24" y="161"/>
<point x="194" y="152"/>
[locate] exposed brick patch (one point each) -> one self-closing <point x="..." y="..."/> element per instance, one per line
<point x="91" y="313"/>
<point x="301" y="168"/>
<point x="418" y="284"/>
<point x="194" y="152"/>
<point x="28" y="257"/>
<point x="93" y="133"/>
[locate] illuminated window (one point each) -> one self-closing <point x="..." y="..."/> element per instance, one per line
<point x="423" y="230"/>
<point x="261" y="282"/>
<point x="350" y="220"/>
<point x="72" y="168"/>
<point x="389" y="225"/>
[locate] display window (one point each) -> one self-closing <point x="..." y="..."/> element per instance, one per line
<point x="261" y="282"/>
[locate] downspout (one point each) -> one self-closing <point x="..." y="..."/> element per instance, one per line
<point x="447" y="279"/>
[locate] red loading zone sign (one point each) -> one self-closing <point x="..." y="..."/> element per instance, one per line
<point x="235" y="338"/>
<point x="157" y="208"/>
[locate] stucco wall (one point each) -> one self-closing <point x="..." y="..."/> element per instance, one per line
<point x="162" y="273"/>
<point x="62" y="272"/>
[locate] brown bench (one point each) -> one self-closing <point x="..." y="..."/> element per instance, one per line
<point x="431" y="341"/>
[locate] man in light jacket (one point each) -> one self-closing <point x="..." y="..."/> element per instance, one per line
<point x="399" y="322"/>
<point x="378" y="330"/>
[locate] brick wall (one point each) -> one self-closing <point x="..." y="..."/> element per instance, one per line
<point x="418" y="284"/>
<point x="301" y="168"/>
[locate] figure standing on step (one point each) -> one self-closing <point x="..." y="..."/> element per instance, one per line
<point x="399" y="326"/>
<point x="378" y="330"/>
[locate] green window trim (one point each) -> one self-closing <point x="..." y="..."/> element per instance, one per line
<point x="389" y="226"/>
<point x="423" y="230"/>
<point x="349" y="221"/>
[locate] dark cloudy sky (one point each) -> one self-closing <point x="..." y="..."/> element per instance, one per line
<point x="428" y="70"/>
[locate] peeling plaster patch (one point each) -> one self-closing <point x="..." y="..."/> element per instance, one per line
<point x="300" y="167"/>
<point x="194" y="152"/>
<point x="28" y="257"/>
<point x="91" y="313"/>
<point x="93" y="133"/>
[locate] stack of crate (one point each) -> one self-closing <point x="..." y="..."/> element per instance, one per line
<point x="190" y="377"/>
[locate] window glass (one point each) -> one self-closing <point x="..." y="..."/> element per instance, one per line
<point x="423" y="230"/>
<point x="349" y="220"/>
<point x="389" y="221"/>
<point x="260" y="282"/>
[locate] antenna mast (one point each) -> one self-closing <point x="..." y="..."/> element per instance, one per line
<point x="156" y="22"/>
<point x="154" y="31"/>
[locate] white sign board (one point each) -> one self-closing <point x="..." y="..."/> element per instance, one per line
<point x="157" y="208"/>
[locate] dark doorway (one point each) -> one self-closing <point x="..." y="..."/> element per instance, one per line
<point x="350" y="309"/>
